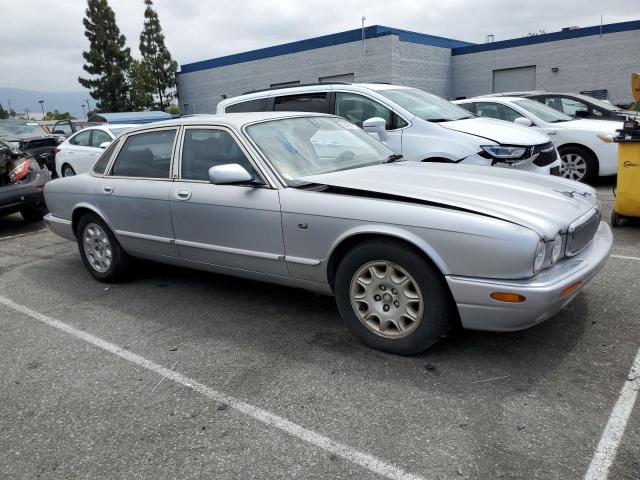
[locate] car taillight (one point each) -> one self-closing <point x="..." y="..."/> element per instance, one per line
<point x="20" y="171"/>
<point x="55" y="151"/>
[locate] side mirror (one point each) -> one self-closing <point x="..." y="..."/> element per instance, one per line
<point x="104" y="145"/>
<point x="581" y="113"/>
<point x="229" y="173"/>
<point x="525" y="122"/>
<point x="376" y="125"/>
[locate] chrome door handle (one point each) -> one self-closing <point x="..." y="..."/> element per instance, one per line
<point x="184" y="194"/>
<point x="107" y="189"/>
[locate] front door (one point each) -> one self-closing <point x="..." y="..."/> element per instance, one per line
<point x="134" y="196"/>
<point x="236" y="226"/>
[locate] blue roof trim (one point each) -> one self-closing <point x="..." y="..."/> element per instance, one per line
<point x="373" y="31"/>
<point x="131" y="117"/>
<point x="548" y="37"/>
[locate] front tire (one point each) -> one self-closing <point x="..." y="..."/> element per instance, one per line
<point x="578" y="164"/>
<point x="67" y="170"/>
<point x="392" y="298"/>
<point x="101" y="253"/>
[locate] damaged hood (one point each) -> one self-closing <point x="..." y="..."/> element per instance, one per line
<point x="505" y="133"/>
<point x="543" y="203"/>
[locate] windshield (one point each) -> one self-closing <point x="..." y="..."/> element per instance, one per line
<point x="544" y="113"/>
<point x="425" y="105"/>
<point x="598" y="103"/>
<point x="298" y="147"/>
<point x="20" y="130"/>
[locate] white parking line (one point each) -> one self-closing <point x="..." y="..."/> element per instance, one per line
<point x="365" y="460"/>
<point x="23" y="234"/>
<point x="624" y="257"/>
<point x="614" y="431"/>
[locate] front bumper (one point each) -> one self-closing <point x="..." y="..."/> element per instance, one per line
<point x="478" y="311"/>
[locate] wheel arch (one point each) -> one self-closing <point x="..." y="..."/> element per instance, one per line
<point x="357" y="236"/>
<point x="583" y="147"/>
<point x="81" y="209"/>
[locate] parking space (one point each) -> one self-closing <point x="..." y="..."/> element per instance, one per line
<point x="305" y="399"/>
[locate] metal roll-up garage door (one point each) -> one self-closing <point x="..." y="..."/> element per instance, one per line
<point x="514" y="79"/>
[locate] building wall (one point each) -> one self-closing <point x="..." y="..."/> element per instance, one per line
<point x="422" y="66"/>
<point x="203" y="90"/>
<point x="586" y="63"/>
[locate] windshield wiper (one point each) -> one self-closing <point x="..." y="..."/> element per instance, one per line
<point x="393" y="158"/>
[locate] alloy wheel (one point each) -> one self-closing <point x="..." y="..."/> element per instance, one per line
<point x="386" y="299"/>
<point x="67" y="171"/>
<point x="97" y="247"/>
<point x="573" y="166"/>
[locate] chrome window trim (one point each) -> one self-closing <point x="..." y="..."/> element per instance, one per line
<point x="239" y="141"/>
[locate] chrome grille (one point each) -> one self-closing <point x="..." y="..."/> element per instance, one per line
<point x="581" y="232"/>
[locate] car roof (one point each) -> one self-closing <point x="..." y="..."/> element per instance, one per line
<point x="232" y="120"/>
<point x="490" y="99"/>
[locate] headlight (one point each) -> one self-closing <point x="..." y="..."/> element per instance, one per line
<point x="498" y="151"/>
<point x="557" y="248"/>
<point x="538" y="259"/>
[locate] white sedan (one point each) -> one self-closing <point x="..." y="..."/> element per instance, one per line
<point x="586" y="146"/>
<point x="80" y="151"/>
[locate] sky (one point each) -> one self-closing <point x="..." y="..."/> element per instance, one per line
<point x="41" y="41"/>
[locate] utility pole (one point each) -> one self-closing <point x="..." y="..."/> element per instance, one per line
<point x="26" y="110"/>
<point x="363" y="39"/>
<point x="88" y="106"/>
<point x="41" y="102"/>
<point x="84" y="114"/>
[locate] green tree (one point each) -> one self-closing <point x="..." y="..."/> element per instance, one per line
<point x="107" y="60"/>
<point x="56" y="115"/>
<point x="141" y="86"/>
<point x="173" y="109"/>
<point x="157" y="58"/>
<point x="3" y="113"/>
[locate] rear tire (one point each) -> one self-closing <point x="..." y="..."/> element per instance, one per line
<point x="101" y="253"/>
<point x="578" y="163"/>
<point x="67" y="170"/>
<point x="392" y="298"/>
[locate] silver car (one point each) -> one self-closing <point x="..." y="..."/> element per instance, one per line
<point x="311" y="201"/>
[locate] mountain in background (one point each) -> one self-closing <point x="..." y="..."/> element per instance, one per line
<point x="62" y="101"/>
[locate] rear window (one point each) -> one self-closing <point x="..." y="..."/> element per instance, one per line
<point x="257" y="105"/>
<point x="308" y="102"/>
<point x="145" y="155"/>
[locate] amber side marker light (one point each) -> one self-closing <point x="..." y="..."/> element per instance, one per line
<point x="507" y="297"/>
<point x="570" y="289"/>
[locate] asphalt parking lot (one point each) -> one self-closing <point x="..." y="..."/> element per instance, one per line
<point x="284" y="391"/>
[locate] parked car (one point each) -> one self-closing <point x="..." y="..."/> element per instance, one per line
<point x="69" y="127"/>
<point x="22" y="183"/>
<point x="575" y="105"/>
<point x="312" y="201"/>
<point x="418" y="125"/>
<point x="80" y="151"/>
<point x="586" y="146"/>
<point x="31" y="138"/>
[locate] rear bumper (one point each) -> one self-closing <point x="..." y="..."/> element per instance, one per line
<point x="15" y="197"/>
<point x="478" y="311"/>
<point x="60" y="226"/>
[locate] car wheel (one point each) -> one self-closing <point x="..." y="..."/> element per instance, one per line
<point x="100" y="251"/>
<point x="392" y="298"/>
<point x="33" y="214"/>
<point x="616" y="219"/>
<point x="67" y="170"/>
<point x="578" y="164"/>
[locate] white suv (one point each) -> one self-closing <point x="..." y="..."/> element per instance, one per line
<point x="416" y="124"/>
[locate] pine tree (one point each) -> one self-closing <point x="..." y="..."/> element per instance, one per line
<point x="157" y="58"/>
<point x="141" y="84"/>
<point x="108" y="58"/>
<point x="3" y="113"/>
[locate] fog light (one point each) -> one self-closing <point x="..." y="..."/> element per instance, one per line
<point x="508" y="297"/>
<point x="570" y="289"/>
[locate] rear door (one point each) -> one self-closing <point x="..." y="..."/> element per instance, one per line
<point x="236" y="226"/>
<point x="134" y="195"/>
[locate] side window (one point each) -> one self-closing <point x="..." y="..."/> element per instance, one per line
<point x="206" y="148"/>
<point x="146" y="155"/>
<point x="64" y="127"/>
<point x="468" y="106"/>
<point x="308" y="102"/>
<point x="357" y="109"/>
<point x="82" y="139"/>
<point x="105" y="158"/>
<point x="99" y="137"/>
<point x="553" y="102"/>
<point x="571" y="106"/>
<point x="257" y="105"/>
<point x="497" y="111"/>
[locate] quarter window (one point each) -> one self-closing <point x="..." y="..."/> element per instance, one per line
<point x="497" y="111"/>
<point x="99" y="137"/>
<point x="146" y="155"/>
<point x="309" y="102"/>
<point x="206" y="148"/>
<point x="257" y="105"/>
<point x="571" y="106"/>
<point x="357" y="109"/>
<point x="82" y="139"/>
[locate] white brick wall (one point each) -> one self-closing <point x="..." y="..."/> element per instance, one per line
<point x="586" y="63"/>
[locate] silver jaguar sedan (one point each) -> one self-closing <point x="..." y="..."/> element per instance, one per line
<point x="311" y="201"/>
